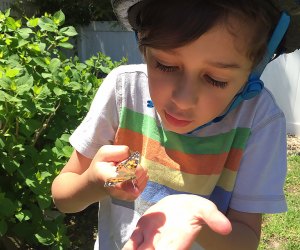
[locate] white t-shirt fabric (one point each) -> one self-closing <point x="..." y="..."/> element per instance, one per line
<point x="249" y="146"/>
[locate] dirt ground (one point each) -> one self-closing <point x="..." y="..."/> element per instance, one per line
<point x="82" y="227"/>
<point x="293" y="145"/>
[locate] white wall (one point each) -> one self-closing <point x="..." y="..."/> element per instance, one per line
<point x="110" y="39"/>
<point x="282" y="76"/>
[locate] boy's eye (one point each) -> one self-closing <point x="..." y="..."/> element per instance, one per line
<point x="215" y="83"/>
<point x="165" y="68"/>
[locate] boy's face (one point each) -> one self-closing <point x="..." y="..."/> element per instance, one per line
<point x="193" y="84"/>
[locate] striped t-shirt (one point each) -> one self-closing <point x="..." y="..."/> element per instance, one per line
<point x="239" y="162"/>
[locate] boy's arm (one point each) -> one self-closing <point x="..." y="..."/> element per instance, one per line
<point x="71" y="189"/>
<point x="81" y="181"/>
<point x="245" y="234"/>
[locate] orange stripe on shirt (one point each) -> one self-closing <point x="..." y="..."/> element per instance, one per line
<point x="198" y="164"/>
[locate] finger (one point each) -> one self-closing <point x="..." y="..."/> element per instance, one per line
<point x="216" y="220"/>
<point x="142" y="183"/>
<point x="107" y="168"/>
<point x="135" y="240"/>
<point x="136" y="186"/>
<point x="112" y="153"/>
<point x="140" y="172"/>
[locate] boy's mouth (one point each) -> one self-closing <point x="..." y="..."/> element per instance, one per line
<point x="176" y="122"/>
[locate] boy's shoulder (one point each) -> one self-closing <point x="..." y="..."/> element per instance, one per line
<point x="130" y="68"/>
<point x="267" y="103"/>
<point x="261" y="110"/>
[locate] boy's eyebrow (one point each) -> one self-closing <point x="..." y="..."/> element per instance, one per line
<point x="225" y="65"/>
<point x="216" y="64"/>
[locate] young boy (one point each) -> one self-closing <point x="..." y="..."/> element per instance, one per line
<point x="212" y="140"/>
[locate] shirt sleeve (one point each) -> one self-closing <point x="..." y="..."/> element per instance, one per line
<point x="260" y="180"/>
<point x="100" y="124"/>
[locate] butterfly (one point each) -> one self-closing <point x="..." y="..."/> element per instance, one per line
<point x="125" y="170"/>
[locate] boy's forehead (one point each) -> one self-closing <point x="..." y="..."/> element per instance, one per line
<point x="243" y="31"/>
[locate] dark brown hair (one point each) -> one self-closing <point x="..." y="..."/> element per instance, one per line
<point x="169" y="24"/>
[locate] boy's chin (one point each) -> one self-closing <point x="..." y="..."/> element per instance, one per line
<point x="178" y="130"/>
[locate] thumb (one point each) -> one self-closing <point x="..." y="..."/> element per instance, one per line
<point x="135" y="240"/>
<point x="216" y="220"/>
<point x="112" y="153"/>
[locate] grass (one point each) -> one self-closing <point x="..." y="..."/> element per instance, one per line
<point x="282" y="231"/>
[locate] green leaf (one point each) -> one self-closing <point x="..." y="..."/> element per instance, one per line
<point x="5" y="83"/>
<point x="104" y="69"/>
<point x="9" y="98"/>
<point x="25" y="32"/>
<point x="22" y="43"/>
<point x="30" y="127"/>
<point x="7" y="208"/>
<point x="42" y="47"/>
<point x="2" y="16"/>
<point x="59" y="18"/>
<point x="54" y="65"/>
<point x="33" y="22"/>
<point x="45" y="93"/>
<point x="8" y="41"/>
<point x="13" y="86"/>
<point x="3" y="227"/>
<point x="34" y="47"/>
<point x="59" y="144"/>
<point x="11" y="23"/>
<point x="46" y="24"/>
<point x="65" y="138"/>
<point x="59" y="91"/>
<point x="68" y="31"/>
<point x="2" y="144"/>
<point x="30" y="183"/>
<point x="66" y="45"/>
<point x="46" y="75"/>
<point x="74" y="86"/>
<point x="37" y="89"/>
<point x="12" y="72"/>
<point x="40" y="61"/>
<point x="68" y="150"/>
<point x="45" y="237"/>
<point x="24" y="84"/>
<point x="44" y="175"/>
<point x="24" y="215"/>
<point x="46" y="108"/>
<point x="44" y="201"/>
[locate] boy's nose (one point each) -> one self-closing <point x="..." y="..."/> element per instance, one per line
<point x="185" y="93"/>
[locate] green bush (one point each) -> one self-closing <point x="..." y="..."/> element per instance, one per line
<point x="43" y="97"/>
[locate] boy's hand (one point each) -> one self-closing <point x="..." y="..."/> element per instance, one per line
<point x="174" y="222"/>
<point x="103" y="167"/>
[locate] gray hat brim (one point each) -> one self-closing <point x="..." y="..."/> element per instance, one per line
<point x="291" y="7"/>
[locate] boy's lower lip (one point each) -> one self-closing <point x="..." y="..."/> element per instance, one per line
<point x="176" y="122"/>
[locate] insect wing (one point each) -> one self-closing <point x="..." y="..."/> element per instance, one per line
<point x="125" y="170"/>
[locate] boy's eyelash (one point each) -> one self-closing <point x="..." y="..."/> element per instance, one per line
<point x="165" y="68"/>
<point x="209" y="79"/>
<point x="216" y="83"/>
